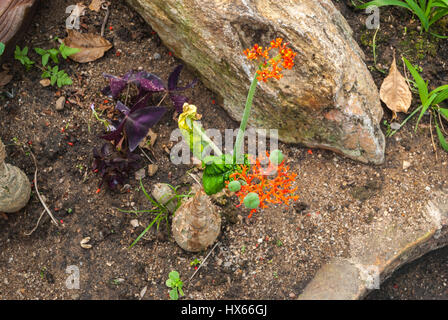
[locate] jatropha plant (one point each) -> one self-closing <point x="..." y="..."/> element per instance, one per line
<point x="116" y="159"/>
<point x="256" y="185"/>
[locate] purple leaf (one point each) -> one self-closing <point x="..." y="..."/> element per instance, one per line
<point x="117" y="134"/>
<point x="139" y="122"/>
<point x="178" y="102"/>
<point x="173" y="79"/>
<point x="188" y="86"/>
<point x="116" y="84"/>
<point x="141" y="101"/>
<point x="122" y="108"/>
<point x="155" y="84"/>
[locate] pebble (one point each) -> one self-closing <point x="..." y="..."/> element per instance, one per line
<point x="406" y="164"/>
<point x="157" y="56"/>
<point x="152" y="169"/>
<point x="134" y="223"/>
<point x="60" y="103"/>
<point x="140" y="174"/>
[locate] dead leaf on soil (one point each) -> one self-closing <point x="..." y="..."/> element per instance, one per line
<point x="95" y="5"/>
<point x="395" y="91"/>
<point x="92" y="46"/>
<point x="5" y="78"/>
<point x="149" y="140"/>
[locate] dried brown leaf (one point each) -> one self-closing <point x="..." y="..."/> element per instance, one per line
<point x="395" y="91"/>
<point x="95" y="5"/>
<point x="5" y="78"/>
<point x="92" y="46"/>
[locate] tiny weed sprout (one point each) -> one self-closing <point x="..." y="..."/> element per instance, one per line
<point x="2" y="48"/>
<point x="56" y="76"/>
<point x="431" y="102"/>
<point x="428" y="11"/>
<point x="254" y="185"/>
<point x="195" y="262"/>
<point x="160" y="211"/>
<point x="175" y="284"/>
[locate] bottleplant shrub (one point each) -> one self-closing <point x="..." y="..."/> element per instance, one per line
<point x="257" y="185"/>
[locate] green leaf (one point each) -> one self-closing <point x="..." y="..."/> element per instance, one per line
<point x="45" y="58"/>
<point x="45" y="74"/>
<point x="442" y="140"/>
<point x="174" y="275"/>
<point x="216" y="173"/>
<point x="174" y="295"/>
<point x="426" y="105"/>
<point x="2" y="48"/>
<point x="421" y="84"/>
<point x="444" y="112"/>
<point x="40" y="51"/>
<point x="169" y="283"/>
<point x="53" y="79"/>
<point x="54" y="55"/>
<point x="67" y="51"/>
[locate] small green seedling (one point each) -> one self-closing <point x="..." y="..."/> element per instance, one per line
<point x="2" y="48"/>
<point x="175" y="284"/>
<point x="22" y="56"/>
<point x="160" y="211"/>
<point x="56" y="76"/>
<point x="431" y="102"/>
<point x="195" y="262"/>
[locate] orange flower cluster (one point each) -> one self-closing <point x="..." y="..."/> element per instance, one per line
<point x="272" y="184"/>
<point x="270" y="66"/>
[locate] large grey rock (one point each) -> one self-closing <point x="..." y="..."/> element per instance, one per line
<point x="15" y="189"/>
<point x="328" y="100"/>
<point x="375" y="255"/>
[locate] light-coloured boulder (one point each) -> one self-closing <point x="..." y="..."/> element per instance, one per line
<point x="328" y="100"/>
<point x="15" y="189"/>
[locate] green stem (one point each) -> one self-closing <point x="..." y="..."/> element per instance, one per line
<point x="197" y="130"/>
<point x="240" y="137"/>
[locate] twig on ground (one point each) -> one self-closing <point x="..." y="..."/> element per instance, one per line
<point x="37" y="224"/>
<point x="202" y="263"/>
<point x="38" y="194"/>
<point x="147" y="157"/>
<point x="105" y="6"/>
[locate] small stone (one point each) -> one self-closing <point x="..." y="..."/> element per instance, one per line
<point x="395" y="126"/>
<point x="60" y="103"/>
<point x="140" y="174"/>
<point x="134" y="223"/>
<point x="45" y="82"/>
<point x="152" y="169"/>
<point x="165" y="195"/>
<point x="157" y="56"/>
<point x="292" y="295"/>
<point x="406" y="164"/>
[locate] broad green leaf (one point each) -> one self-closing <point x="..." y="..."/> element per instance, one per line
<point x="421" y="84"/>
<point x="426" y="105"/>
<point x="174" y="275"/>
<point x="45" y="58"/>
<point x="216" y="173"/>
